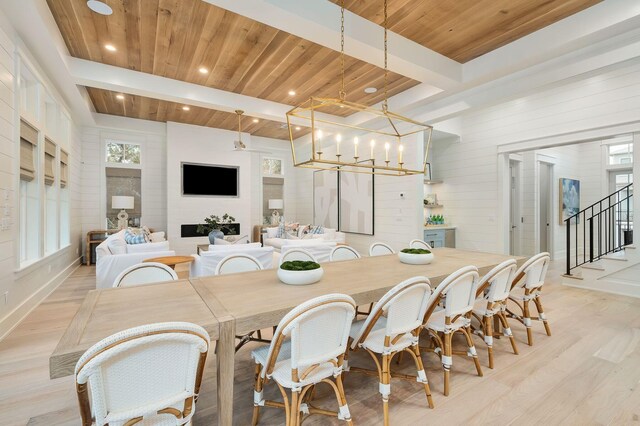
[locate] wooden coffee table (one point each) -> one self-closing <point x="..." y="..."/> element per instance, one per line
<point x="171" y="261"/>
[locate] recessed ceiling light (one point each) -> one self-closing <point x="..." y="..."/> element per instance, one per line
<point x="292" y="92"/>
<point x="99" y="7"/>
<point x="297" y="127"/>
<point x="255" y="120"/>
<point x="121" y="97"/>
<point x="110" y="47"/>
<point x="185" y="108"/>
<point x="370" y="90"/>
<point x="203" y="70"/>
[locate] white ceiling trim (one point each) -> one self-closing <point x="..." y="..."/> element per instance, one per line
<point x="585" y="28"/>
<point x="319" y="22"/>
<point x="123" y="80"/>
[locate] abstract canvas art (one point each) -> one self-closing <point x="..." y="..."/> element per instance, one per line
<point x="569" y="198"/>
<point x="356" y="203"/>
<point x="325" y="198"/>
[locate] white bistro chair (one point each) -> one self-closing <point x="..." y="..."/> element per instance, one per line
<point x="145" y="273"/>
<point x="526" y="288"/>
<point x="238" y="262"/>
<point x="394" y="327"/>
<point x="234" y="264"/>
<point x="380" y="249"/>
<point x="297" y="254"/>
<point x="308" y="348"/>
<point x="419" y="244"/>
<point x="149" y="375"/>
<point x="459" y="293"/>
<point x="491" y="302"/>
<point x="343" y="253"/>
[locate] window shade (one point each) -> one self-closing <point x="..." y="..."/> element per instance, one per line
<point x="64" y="168"/>
<point x="28" y="144"/>
<point x="49" y="162"/>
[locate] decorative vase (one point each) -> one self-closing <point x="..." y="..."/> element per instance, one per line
<point x="300" y="277"/>
<point x="415" y="259"/>
<point x="216" y="233"/>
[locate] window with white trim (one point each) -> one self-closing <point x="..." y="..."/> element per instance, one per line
<point x="621" y="154"/>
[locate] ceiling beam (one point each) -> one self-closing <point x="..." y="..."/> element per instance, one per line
<point x="319" y="22"/>
<point x="117" y="79"/>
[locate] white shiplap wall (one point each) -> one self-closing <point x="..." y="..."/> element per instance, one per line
<point x="470" y="168"/>
<point x="25" y="288"/>
<point x="153" y="142"/>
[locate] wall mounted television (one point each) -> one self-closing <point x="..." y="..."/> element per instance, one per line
<point x="210" y="180"/>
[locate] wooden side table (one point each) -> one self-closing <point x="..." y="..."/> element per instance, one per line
<point x="171" y="261"/>
<point x="95" y="237"/>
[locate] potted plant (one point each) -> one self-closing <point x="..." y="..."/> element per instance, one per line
<point x="415" y="256"/>
<point x="300" y="272"/>
<point x="214" y="226"/>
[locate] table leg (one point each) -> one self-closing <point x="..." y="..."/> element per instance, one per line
<point x="225" y="363"/>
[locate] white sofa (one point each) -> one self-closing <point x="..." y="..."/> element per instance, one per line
<point x="329" y="235"/>
<point x="114" y="255"/>
<point x="205" y="264"/>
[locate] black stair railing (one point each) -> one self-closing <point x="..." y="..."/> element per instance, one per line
<point x="604" y="227"/>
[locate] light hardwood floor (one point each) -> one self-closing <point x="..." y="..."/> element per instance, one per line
<point x="588" y="372"/>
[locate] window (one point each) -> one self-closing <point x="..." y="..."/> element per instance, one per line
<point x="65" y="219"/>
<point x="29" y="194"/>
<point x="272" y="167"/>
<point x="122" y="153"/>
<point x="621" y="154"/>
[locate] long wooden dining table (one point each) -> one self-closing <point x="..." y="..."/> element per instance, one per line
<point x="256" y="300"/>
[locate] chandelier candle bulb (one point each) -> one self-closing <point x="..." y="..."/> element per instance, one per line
<point x="400" y="149"/>
<point x="355" y="147"/>
<point x="386" y="152"/>
<point x="338" y="140"/>
<point x="373" y="145"/>
<point x="318" y="142"/>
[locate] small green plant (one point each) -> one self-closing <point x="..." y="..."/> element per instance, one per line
<point x="214" y="222"/>
<point x="299" y="265"/>
<point x="416" y="251"/>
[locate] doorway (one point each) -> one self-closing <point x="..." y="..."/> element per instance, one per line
<point x="623" y="212"/>
<point x="515" y="217"/>
<point x="545" y="203"/>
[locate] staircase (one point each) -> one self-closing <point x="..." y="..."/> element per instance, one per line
<point x="600" y="254"/>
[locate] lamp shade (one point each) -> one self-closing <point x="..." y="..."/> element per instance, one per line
<point x="276" y="204"/>
<point x="122" y="202"/>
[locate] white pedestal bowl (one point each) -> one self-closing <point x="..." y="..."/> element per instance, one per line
<point x="300" y="277"/>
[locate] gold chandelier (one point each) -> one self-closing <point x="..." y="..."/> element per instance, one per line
<point x="331" y="147"/>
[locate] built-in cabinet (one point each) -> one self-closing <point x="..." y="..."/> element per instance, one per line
<point x="440" y="237"/>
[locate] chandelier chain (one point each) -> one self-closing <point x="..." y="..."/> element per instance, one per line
<point x="343" y="93"/>
<point x="386" y="70"/>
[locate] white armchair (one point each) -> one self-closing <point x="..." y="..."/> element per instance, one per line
<point x="114" y="255"/>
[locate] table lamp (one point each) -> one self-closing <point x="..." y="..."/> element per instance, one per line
<point x="123" y="203"/>
<point x="275" y="205"/>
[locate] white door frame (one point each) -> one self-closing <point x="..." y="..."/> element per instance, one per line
<point x="551" y="206"/>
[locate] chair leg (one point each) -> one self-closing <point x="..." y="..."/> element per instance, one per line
<point x="257" y="391"/>
<point x="488" y="337"/>
<point x="541" y="315"/>
<point x="385" y="387"/>
<point x="447" y="360"/>
<point x="526" y="318"/>
<point x="342" y="401"/>
<point x="506" y="330"/>
<point x="422" y="375"/>
<point x="472" y="349"/>
<point x="294" y="419"/>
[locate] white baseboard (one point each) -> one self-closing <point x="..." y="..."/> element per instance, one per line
<point x="15" y="317"/>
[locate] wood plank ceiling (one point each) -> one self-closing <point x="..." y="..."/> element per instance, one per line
<point x="132" y="106"/>
<point x="465" y="29"/>
<point x="174" y="38"/>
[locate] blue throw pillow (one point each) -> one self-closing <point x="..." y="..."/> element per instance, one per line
<point x="132" y="238"/>
<point x="317" y="230"/>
